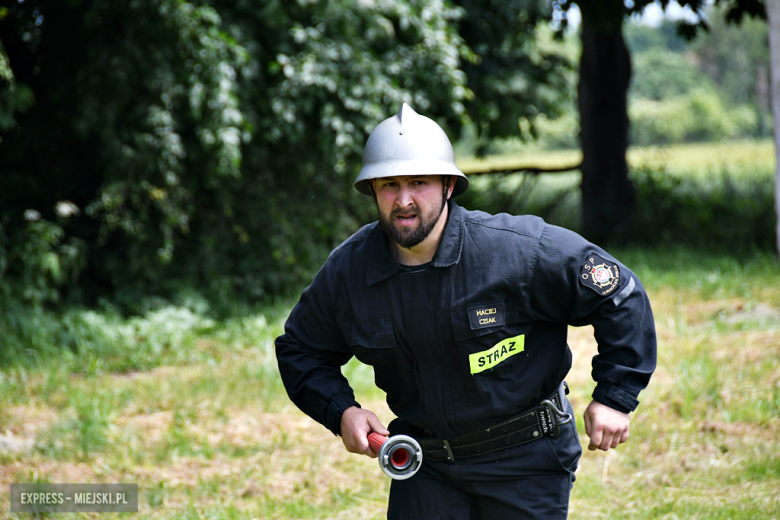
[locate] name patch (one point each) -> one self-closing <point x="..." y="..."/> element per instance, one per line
<point x="486" y="316"/>
<point x="500" y="352"/>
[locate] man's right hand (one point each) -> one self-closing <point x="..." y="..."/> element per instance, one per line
<point x="356" y="424"/>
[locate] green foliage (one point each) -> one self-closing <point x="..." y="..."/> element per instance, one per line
<point x="723" y="211"/>
<point x="96" y="341"/>
<point x="558" y="133"/>
<point x="730" y="59"/>
<point x="515" y="72"/>
<point x="39" y="259"/>
<point x="14" y="97"/>
<point x="696" y="116"/>
<point x="552" y="197"/>
<point x="640" y="38"/>
<point x="214" y="143"/>
<point x="660" y="74"/>
<point x="728" y="208"/>
<point x="736" y="57"/>
<point x="711" y="88"/>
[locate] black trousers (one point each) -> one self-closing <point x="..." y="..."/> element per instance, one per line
<point x="532" y="481"/>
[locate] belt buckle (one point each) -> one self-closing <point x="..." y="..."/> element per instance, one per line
<point x="557" y="417"/>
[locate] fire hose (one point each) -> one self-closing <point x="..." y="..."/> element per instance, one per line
<point x="400" y="456"/>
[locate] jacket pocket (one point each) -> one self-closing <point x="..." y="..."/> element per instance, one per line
<point x="374" y="343"/>
<point x="481" y="319"/>
<point x="372" y="340"/>
<point x="490" y="353"/>
<point x="373" y="333"/>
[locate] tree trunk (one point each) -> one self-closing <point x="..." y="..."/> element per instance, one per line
<point x="773" y="18"/>
<point x="608" y="198"/>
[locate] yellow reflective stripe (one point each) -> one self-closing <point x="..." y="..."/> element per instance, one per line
<point x="501" y="351"/>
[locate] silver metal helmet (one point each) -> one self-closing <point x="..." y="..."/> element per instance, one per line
<point x="408" y="144"/>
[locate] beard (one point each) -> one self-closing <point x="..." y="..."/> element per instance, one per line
<point x="409" y="237"/>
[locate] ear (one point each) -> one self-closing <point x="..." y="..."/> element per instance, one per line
<point x="451" y="185"/>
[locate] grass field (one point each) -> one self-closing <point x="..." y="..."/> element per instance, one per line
<point x="217" y="438"/>
<point x="192" y="410"/>
<point x="683" y="159"/>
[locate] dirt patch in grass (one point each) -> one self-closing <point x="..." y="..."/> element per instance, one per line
<point x="164" y="371"/>
<point x="188" y="471"/>
<point x="734" y="311"/>
<point x="27" y="421"/>
<point x="35" y="468"/>
<point x="151" y="426"/>
<point x="747" y="433"/>
<point x="746" y="348"/>
<point x="21" y="425"/>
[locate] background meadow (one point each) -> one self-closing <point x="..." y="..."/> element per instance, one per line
<point x="173" y="173"/>
<point x="190" y="406"/>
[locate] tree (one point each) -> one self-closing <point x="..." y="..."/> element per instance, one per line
<point x="511" y="77"/>
<point x="215" y="142"/>
<point x="608" y="199"/>
<point x="736" y="58"/>
<point x="773" y="16"/>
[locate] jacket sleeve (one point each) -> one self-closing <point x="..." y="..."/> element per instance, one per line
<point x="310" y="355"/>
<point x="579" y="283"/>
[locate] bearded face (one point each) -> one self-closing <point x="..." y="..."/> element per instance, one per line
<point x="409" y="208"/>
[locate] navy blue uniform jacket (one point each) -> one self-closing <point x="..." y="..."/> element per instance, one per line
<point x="477" y="337"/>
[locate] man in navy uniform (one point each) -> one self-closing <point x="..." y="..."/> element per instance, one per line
<point x="463" y="317"/>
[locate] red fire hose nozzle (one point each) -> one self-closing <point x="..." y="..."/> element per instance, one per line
<point x="400" y="456"/>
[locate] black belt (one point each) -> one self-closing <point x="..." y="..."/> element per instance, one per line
<point x="542" y="421"/>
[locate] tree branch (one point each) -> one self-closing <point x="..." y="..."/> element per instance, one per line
<point x="534" y="170"/>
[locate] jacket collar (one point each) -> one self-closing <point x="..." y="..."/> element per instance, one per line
<point x="382" y="265"/>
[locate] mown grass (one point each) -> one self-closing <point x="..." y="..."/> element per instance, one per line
<point x="740" y="157"/>
<point x="705" y="440"/>
<point x="710" y="195"/>
<point x="191" y="408"/>
<point x="211" y="434"/>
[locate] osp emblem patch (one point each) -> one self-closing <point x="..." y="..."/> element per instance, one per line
<point x="600" y="275"/>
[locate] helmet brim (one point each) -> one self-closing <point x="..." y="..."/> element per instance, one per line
<point x="410" y="168"/>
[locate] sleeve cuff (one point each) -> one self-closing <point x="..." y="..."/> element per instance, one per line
<point x="336" y="408"/>
<point x="615" y="397"/>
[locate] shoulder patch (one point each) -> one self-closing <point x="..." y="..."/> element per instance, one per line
<point x="600" y="275"/>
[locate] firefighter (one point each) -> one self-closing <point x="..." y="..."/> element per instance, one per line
<point x="463" y="316"/>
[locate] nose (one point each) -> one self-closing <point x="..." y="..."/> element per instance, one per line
<point x="404" y="198"/>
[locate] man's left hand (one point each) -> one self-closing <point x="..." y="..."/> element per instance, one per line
<point x="605" y="426"/>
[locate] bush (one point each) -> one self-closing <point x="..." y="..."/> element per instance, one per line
<point x="658" y="122"/>
<point x="697" y="116"/>
<point x="661" y="74"/>
<point x="93" y="340"/>
<point x="555" y="198"/>
<point x="37" y="260"/>
<point x="215" y="143"/>
<point x="723" y="211"/>
<point x="561" y="133"/>
<point x="102" y="340"/>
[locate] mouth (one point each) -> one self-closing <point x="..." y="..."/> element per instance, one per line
<point x="406" y="219"/>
